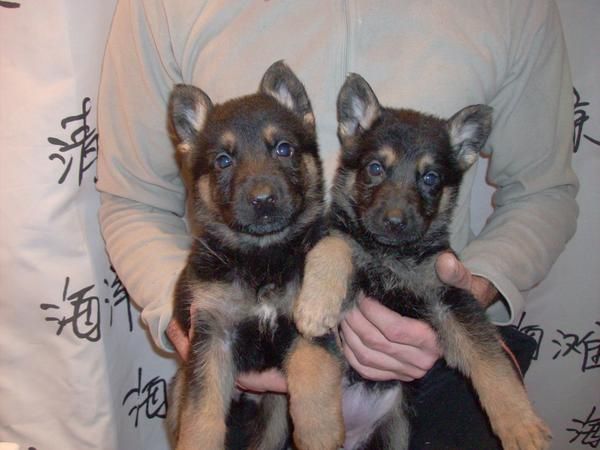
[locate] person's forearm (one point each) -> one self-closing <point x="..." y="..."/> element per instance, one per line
<point x="138" y="178"/>
<point x="531" y="148"/>
<point x="148" y="249"/>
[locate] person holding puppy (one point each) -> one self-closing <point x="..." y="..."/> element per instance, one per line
<point x="436" y="57"/>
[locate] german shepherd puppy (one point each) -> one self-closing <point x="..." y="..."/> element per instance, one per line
<point x="392" y="201"/>
<point x="255" y="181"/>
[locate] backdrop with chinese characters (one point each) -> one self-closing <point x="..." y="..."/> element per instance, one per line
<point x="78" y="370"/>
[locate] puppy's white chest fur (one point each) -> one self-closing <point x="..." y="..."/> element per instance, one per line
<point x="363" y="409"/>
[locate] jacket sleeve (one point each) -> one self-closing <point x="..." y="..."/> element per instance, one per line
<point x="530" y="165"/>
<point x="142" y="196"/>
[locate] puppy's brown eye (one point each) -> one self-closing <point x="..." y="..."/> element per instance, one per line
<point x="284" y="149"/>
<point x="375" y="169"/>
<point x="223" y="160"/>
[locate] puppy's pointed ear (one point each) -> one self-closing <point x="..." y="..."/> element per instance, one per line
<point x="357" y="108"/>
<point x="188" y="108"/>
<point x="468" y="130"/>
<point x="282" y="84"/>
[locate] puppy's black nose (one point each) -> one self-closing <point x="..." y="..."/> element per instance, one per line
<point x="395" y="220"/>
<point x="262" y="199"/>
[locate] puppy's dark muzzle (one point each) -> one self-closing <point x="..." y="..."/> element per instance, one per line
<point x="264" y="207"/>
<point x="263" y="200"/>
<point x="394" y="226"/>
<point x="395" y="221"/>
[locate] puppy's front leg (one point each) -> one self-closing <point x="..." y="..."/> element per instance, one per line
<point x="327" y="274"/>
<point x="314" y="376"/>
<point x="470" y="343"/>
<point x="210" y="382"/>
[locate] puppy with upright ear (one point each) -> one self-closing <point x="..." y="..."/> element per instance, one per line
<point x="280" y="83"/>
<point x="256" y="209"/>
<point x="393" y="199"/>
<point x="188" y="108"/>
<point x="357" y="109"/>
<point x="469" y="129"/>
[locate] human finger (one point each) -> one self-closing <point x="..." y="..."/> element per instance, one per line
<point x="375" y="365"/>
<point x="179" y="339"/>
<point x="415" y="338"/>
<point x="271" y="380"/>
<point x="453" y="272"/>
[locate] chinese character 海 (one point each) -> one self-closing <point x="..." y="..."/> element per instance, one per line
<point x="152" y="397"/>
<point x="79" y="310"/>
<point x="588" y="430"/>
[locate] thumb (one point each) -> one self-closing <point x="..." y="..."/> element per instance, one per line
<point x="452" y="272"/>
<point x="179" y="339"/>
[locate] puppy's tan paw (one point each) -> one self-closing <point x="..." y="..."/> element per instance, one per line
<point x="526" y="434"/>
<point x="315" y="317"/>
<point x="326" y="276"/>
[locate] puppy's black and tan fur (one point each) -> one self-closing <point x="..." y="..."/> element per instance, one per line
<point x="255" y="182"/>
<point x="392" y="202"/>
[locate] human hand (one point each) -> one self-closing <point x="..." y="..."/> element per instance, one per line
<point x="453" y="272"/>
<point x="268" y="381"/>
<point x="383" y="345"/>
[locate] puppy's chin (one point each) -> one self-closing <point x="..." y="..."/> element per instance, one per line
<point x="394" y="240"/>
<point x="390" y="238"/>
<point x="394" y="236"/>
<point x="264" y="227"/>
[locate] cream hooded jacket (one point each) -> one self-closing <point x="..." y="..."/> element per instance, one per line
<point x="436" y="56"/>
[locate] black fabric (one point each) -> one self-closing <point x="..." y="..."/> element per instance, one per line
<point x="447" y="414"/>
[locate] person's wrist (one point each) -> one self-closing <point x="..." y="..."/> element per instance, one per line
<point x="484" y="291"/>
